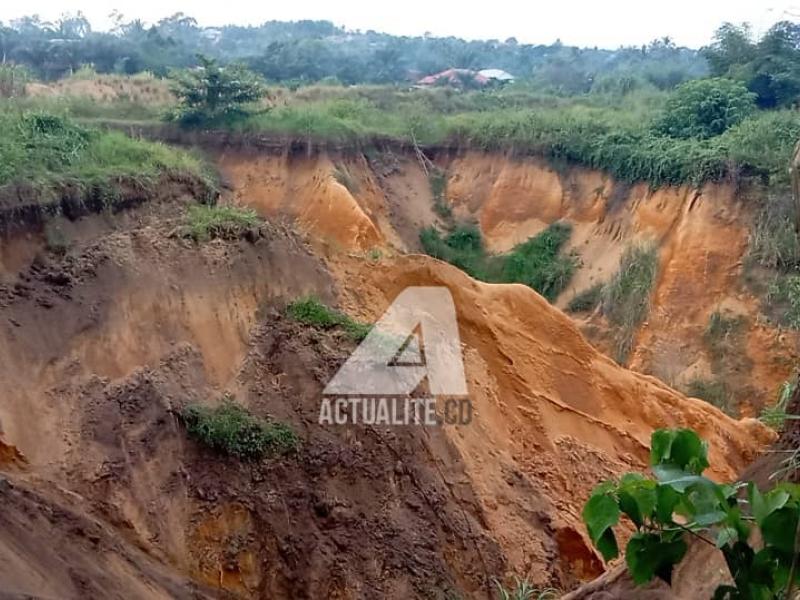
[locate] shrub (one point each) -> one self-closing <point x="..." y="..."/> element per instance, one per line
<point x="627" y="295"/>
<point x="538" y="263"/>
<point x="226" y="222"/>
<point x="310" y="311"/>
<point x="214" y="95"/>
<point x="587" y="300"/>
<point x="680" y="501"/>
<point x="231" y="429"/>
<point x="704" y="108"/>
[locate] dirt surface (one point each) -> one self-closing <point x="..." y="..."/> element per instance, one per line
<point x="104" y="340"/>
<point x="701" y="236"/>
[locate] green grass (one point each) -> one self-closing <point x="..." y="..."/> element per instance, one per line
<point x="775" y="416"/>
<point x="620" y="140"/>
<point x="587" y="300"/>
<point x="310" y="311"/>
<point x="627" y="295"/>
<point x="783" y="299"/>
<point x="438" y="182"/>
<point x="229" y="428"/>
<point x="44" y="149"/>
<point x="616" y="134"/>
<point x="537" y="263"/>
<point x="721" y="330"/>
<point x="206" y="222"/>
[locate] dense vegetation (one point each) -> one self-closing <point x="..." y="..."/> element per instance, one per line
<point x="681" y="502"/>
<point x="45" y="149"/>
<point x="308" y="51"/>
<point x="619" y="111"/>
<point x="229" y="428"/>
<point x="538" y="263"/>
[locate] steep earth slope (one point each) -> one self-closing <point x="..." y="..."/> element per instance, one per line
<point x="701" y="235"/>
<point x="103" y="344"/>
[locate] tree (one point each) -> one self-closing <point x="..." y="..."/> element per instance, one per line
<point x="706" y="107"/>
<point x="212" y="94"/>
<point x="681" y="503"/>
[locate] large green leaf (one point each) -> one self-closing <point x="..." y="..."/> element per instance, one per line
<point x="680" y="447"/>
<point x="637" y="497"/>
<point x="649" y="555"/>
<point x="600" y="514"/>
<point x="764" y="505"/>
<point x="779" y="528"/>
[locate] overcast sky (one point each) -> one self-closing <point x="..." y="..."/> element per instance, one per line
<point x="609" y="24"/>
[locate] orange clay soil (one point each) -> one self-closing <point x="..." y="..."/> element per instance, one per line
<point x="701" y="236"/>
<point x="554" y="417"/>
<point x="103" y="346"/>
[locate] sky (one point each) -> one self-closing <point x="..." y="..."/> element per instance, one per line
<point x="589" y="23"/>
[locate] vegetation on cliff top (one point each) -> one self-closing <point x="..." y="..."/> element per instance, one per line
<point x="43" y="149"/>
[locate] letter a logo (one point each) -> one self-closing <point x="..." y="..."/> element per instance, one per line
<point x="417" y="337"/>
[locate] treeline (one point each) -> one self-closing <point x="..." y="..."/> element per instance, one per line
<point x="312" y="51"/>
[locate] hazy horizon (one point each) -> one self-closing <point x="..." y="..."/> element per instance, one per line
<point x="610" y="25"/>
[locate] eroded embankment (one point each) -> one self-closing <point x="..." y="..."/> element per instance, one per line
<point x="381" y="202"/>
<point x="103" y="342"/>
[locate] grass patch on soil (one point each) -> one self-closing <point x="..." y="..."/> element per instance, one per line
<point x="230" y="429"/>
<point x="310" y="311"/>
<point x="627" y="295"/>
<point x="206" y="222"/>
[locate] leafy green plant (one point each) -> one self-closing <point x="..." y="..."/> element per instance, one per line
<point x="231" y="429"/>
<point x="627" y="295"/>
<point x="206" y="222"/>
<point x="587" y="300"/>
<point x="311" y="311"/>
<point x="681" y="502"/>
<point x="522" y="589"/>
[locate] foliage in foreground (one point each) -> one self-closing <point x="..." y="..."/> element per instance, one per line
<point x="206" y="222"/>
<point x="680" y="502"/>
<point x="231" y="429"/>
<point x="43" y="148"/>
<point x="310" y="311"/>
<point x="537" y="263"/>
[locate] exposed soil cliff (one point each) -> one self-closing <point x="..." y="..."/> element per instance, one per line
<point x="103" y="341"/>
